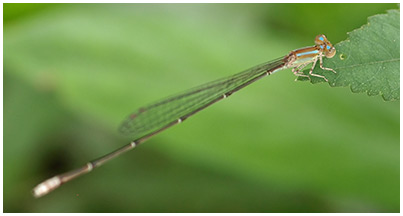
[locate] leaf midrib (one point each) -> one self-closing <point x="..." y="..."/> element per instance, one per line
<point x="370" y="63"/>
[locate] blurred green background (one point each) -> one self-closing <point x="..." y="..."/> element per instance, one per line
<point x="73" y="72"/>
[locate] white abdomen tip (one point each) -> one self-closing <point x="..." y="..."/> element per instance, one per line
<point x="46" y="187"/>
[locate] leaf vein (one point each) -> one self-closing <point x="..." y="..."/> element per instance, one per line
<point x="370" y="63"/>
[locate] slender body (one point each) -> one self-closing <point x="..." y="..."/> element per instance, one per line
<point x="152" y="119"/>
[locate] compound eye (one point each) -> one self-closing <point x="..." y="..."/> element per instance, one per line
<point x="330" y="52"/>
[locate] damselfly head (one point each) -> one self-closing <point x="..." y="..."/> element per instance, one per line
<point x="325" y="45"/>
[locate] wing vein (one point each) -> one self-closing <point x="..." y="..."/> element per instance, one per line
<point x="162" y="114"/>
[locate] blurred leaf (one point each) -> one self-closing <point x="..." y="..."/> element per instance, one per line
<point x="14" y="11"/>
<point x="334" y="25"/>
<point x="369" y="61"/>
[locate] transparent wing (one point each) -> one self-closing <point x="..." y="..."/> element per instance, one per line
<point x="164" y="113"/>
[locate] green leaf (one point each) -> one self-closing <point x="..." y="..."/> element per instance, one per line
<point x="368" y="61"/>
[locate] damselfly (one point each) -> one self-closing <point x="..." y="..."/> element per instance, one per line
<point x="152" y="119"/>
